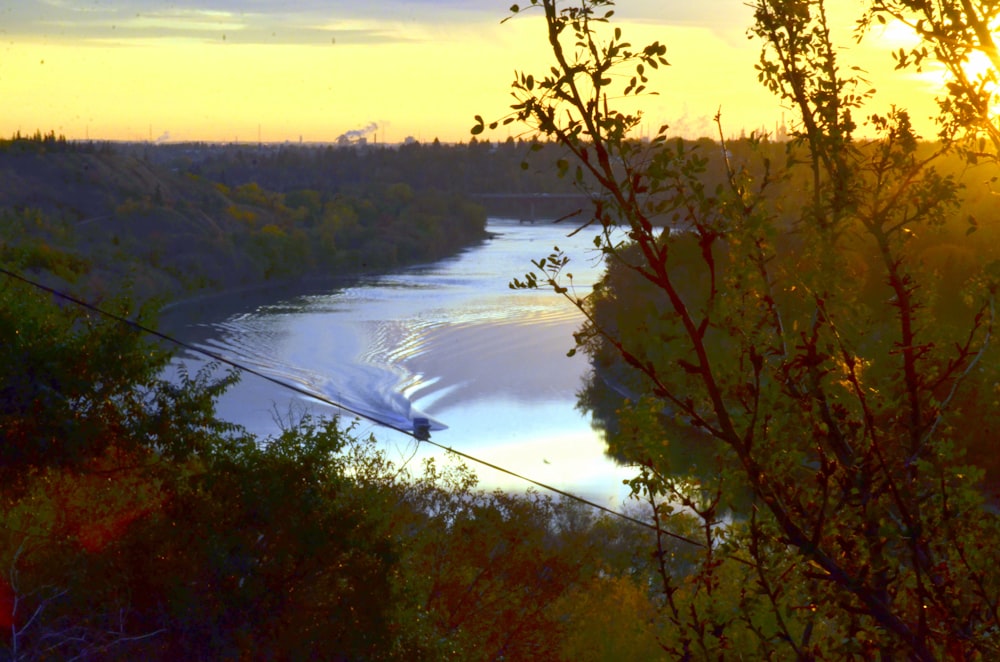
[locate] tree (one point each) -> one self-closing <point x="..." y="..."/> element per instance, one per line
<point x="134" y="523"/>
<point x="91" y="440"/>
<point x="486" y="576"/>
<point x="268" y="548"/>
<point x="953" y="35"/>
<point x="85" y="386"/>
<point x="791" y="336"/>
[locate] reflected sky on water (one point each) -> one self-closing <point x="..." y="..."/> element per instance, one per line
<point x="449" y="340"/>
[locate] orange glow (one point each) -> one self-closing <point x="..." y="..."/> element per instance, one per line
<point x="979" y="68"/>
<point x="96" y="534"/>
<point x="99" y="505"/>
<point x="420" y="80"/>
<point x="931" y="82"/>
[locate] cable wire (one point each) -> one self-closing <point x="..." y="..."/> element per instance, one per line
<point x="325" y="400"/>
<point x="198" y="350"/>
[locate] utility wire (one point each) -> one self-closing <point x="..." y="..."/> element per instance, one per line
<point x="297" y="389"/>
<point x="198" y="350"/>
<point x="568" y="495"/>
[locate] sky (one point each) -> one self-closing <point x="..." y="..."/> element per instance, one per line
<point x="314" y="70"/>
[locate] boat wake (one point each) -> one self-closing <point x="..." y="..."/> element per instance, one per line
<point x="367" y="385"/>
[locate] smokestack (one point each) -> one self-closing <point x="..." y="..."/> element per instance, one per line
<point x="357" y="134"/>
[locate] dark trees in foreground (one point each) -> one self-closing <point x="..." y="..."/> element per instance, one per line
<point x="793" y="334"/>
<point x="135" y="524"/>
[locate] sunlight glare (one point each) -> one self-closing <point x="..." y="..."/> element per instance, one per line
<point x="933" y="78"/>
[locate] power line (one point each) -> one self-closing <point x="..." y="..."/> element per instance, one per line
<point x="297" y="389"/>
<point x="192" y="348"/>
<point x="568" y="495"/>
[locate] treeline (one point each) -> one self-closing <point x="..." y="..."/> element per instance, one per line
<point x="478" y="167"/>
<point x="136" y="525"/>
<point x="372" y="227"/>
<point x="102" y="221"/>
<point x="509" y="167"/>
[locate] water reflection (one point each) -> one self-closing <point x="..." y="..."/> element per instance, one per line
<point x="449" y="341"/>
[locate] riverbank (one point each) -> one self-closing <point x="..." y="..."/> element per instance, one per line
<point x="271" y="290"/>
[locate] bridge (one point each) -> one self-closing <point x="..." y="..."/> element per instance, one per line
<point x="533" y="207"/>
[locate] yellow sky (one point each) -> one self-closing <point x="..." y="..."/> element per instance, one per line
<point x="422" y="80"/>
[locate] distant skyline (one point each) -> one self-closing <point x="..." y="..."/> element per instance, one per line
<point x="274" y="70"/>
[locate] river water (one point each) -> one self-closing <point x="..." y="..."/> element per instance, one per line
<point x="449" y="341"/>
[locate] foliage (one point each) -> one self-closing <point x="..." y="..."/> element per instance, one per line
<point x="134" y="524"/>
<point x="475" y="169"/>
<point x="793" y="338"/>
<point x="94" y="391"/>
<point x="262" y="551"/>
<point x="92" y="221"/>
<point x="953" y="36"/>
<point x="34" y="241"/>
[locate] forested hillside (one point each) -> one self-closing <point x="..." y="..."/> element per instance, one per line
<point x="106" y="219"/>
<point x="172" y="220"/>
<point x="510" y="166"/>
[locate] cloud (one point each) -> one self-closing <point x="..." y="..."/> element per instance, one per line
<point x="727" y="19"/>
<point x="239" y="21"/>
<point x="342" y="23"/>
<point x="313" y="21"/>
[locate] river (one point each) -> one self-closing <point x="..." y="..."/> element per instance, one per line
<point x="449" y="341"/>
